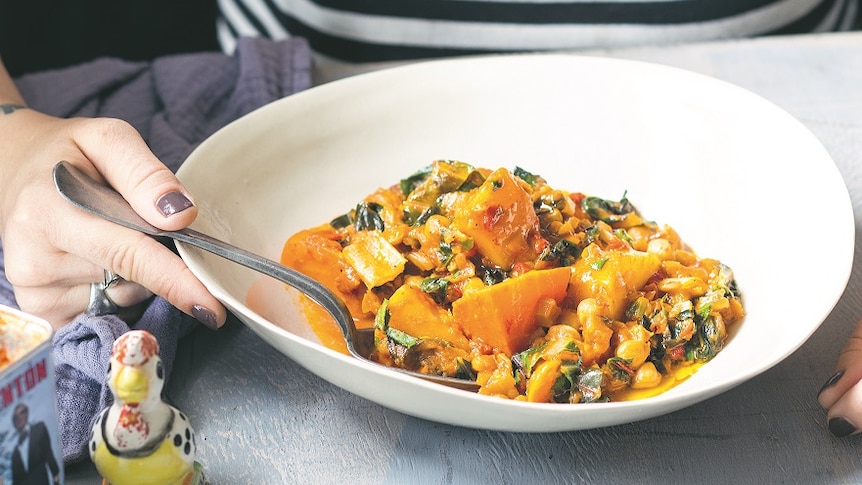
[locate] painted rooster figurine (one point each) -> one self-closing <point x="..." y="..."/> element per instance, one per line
<point x="140" y="439"/>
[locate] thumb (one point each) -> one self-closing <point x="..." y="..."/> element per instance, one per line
<point x="125" y="161"/>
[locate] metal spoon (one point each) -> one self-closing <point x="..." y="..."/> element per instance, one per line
<point x="105" y="202"/>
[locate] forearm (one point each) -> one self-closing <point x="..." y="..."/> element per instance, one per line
<point x="9" y="94"/>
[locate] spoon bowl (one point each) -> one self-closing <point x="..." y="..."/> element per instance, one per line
<point x="103" y="201"/>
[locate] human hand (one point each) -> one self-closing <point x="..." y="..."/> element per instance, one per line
<point x="54" y="251"/>
<point x="841" y="395"/>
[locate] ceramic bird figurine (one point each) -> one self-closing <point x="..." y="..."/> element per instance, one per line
<point x="140" y="439"/>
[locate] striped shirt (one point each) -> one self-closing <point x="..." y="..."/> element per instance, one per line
<point x="359" y="31"/>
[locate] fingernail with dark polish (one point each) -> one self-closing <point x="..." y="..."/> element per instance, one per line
<point x="172" y="203"/>
<point x="206" y="317"/>
<point x="831" y="382"/>
<point x="840" y="427"/>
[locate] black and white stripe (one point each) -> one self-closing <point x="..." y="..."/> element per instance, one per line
<point x="384" y="30"/>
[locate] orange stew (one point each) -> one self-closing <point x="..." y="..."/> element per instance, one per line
<point x="539" y="294"/>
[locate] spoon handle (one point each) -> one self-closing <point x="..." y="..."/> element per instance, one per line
<point x="103" y="201"/>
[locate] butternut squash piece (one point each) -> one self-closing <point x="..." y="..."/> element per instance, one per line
<point x="374" y="258"/>
<point x="500" y="218"/>
<point x="503" y="316"/>
<point x="611" y="276"/>
<point x="413" y="311"/>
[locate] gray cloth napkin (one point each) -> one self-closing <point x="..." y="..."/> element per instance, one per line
<point x="175" y="102"/>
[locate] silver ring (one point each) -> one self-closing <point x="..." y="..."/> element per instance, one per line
<point x="100" y="304"/>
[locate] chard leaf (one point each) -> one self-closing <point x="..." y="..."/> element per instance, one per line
<point x="464" y="370"/>
<point x="443" y="176"/>
<point x="686" y="314"/>
<point x="564" y="252"/>
<point x="341" y="221"/>
<point x="620" y="368"/>
<point x="592" y="234"/>
<point x="424" y="190"/>
<point x="412" y="218"/>
<point x="446" y="253"/>
<point x="708" y="341"/>
<point x="589" y="384"/>
<point x="400" y="337"/>
<point x="367" y="217"/>
<point x="526" y="176"/>
<point x="397" y="341"/>
<point x="598" y="264"/>
<point x="637" y="309"/>
<point x="393" y="335"/>
<point x="607" y="211"/>
<point x="410" y="183"/>
<point x="704" y="310"/>
<point x="491" y="276"/>
<point x="565" y="383"/>
<point x="381" y="318"/>
<point x="528" y="359"/>
<point x="436" y="288"/>
<point x="571" y="346"/>
<point x="570" y="369"/>
<point x="624" y="235"/>
<point x="472" y="181"/>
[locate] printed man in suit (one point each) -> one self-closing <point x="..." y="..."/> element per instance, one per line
<point x="33" y="457"/>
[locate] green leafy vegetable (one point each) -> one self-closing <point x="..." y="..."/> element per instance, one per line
<point x="341" y="221"/>
<point x="607" y="211"/>
<point x="598" y="264"/>
<point x="564" y="252"/>
<point x="589" y="386"/>
<point x="424" y="189"/>
<point x="367" y="217"/>
<point x="526" y="176"/>
<point x="436" y="288"/>
<point x="410" y="183"/>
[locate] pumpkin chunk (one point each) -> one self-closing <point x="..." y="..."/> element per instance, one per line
<point x="611" y="276"/>
<point x="500" y="218"/>
<point x="414" y="312"/>
<point x="503" y="316"/>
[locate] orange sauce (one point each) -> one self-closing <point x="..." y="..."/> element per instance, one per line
<point x="546" y="295"/>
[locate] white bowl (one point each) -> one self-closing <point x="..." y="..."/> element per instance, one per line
<point x="738" y="178"/>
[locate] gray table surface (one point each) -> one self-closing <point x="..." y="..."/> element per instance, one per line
<point x="261" y="418"/>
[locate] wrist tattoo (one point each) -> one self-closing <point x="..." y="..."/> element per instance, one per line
<point x="9" y="108"/>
